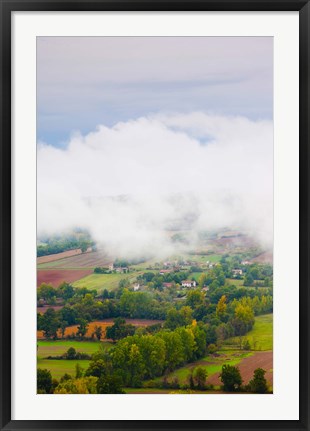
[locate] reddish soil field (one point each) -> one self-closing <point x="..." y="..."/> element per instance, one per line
<point x="247" y="367"/>
<point x="103" y="324"/>
<point x="56" y="276"/>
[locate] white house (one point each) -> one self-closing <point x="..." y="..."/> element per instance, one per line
<point x="188" y="283"/>
<point x="237" y="272"/>
<point x="136" y="287"/>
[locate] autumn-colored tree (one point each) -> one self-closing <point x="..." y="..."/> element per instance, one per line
<point x="83" y="385"/>
<point x="244" y="319"/>
<point x="221" y="306"/>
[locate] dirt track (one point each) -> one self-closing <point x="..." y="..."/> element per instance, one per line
<point x="248" y="365"/>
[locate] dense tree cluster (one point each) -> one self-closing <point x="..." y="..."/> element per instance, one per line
<point x="138" y="357"/>
<point x="64" y="243"/>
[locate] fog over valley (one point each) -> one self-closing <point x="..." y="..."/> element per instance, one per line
<point x="131" y="183"/>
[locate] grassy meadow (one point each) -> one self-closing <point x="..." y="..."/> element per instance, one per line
<point x="260" y="337"/>
<point x="104" y="281"/>
<point x="59" y="347"/>
<point x="59" y="367"/>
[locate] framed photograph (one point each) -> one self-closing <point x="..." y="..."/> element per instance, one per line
<point x="154" y="215"/>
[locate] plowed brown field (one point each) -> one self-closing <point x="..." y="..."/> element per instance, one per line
<point x="79" y="260"/>
<point x="248" y="365"/>
<point x="57" y="276"/>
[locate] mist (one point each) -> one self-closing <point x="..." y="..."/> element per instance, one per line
<point x="131" y="184"/>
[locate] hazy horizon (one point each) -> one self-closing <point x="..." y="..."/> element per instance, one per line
<point x="180" y="126"/>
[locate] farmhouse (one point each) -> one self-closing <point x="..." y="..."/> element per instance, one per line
<point x="237" y="272"/>
<point x="167" y="285"/>
<point x="122" y="270"/>
<point x="165" y="271"/>
<point x="188" y="283"/>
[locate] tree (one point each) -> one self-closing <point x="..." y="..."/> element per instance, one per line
<point x="231" y="378"/>
<point x="47" y="292"/>
<point x="248" y="280"/>
<point x="84" y="247"/>
<point x="71" y="353"/>
<point x="78" y="371"/>
<point x="221" y="307"/>
<point x="119" y="329"/>
<point x="135" y="366"/>
<point x="96" y="368"/>
<point x="110" y="384"/>
<point x="202" y="279"/>
<point x="176" y="318"/>
<point x="63" y="325"/>
<point x="244" y="319"/>
<point x="246" y="345"/>
<point x="200" y="375"/>
<point x="82" y="385"/>
<point x="66" y="291"/>
<point x="44" y="381"/>
<point x="195" y="298"/>
<point x="50" y="323"/>
<point x="259" y="383"/>
<point x="65" y="377"/>
<point x="82" y="328"/>
<point x="98" y="332"/>
<point x="191" y="380"/>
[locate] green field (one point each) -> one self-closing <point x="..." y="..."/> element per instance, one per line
<point x="58" y="347"/>
<point x="104" y="281"/>
<point x="210" y="363"/>
<point x="260" y="337"/>
<point x="58" y="367"/>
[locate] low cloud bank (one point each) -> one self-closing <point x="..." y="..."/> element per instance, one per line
<point x="131" y="183"/>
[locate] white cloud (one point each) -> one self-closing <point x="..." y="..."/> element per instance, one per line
<point x="130" y="182"/>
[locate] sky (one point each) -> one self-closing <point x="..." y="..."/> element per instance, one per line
<point x="137" y="136"/>
<point x="83" y="82"/>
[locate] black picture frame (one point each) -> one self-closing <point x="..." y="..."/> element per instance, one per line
<point x="9" y="6"/>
